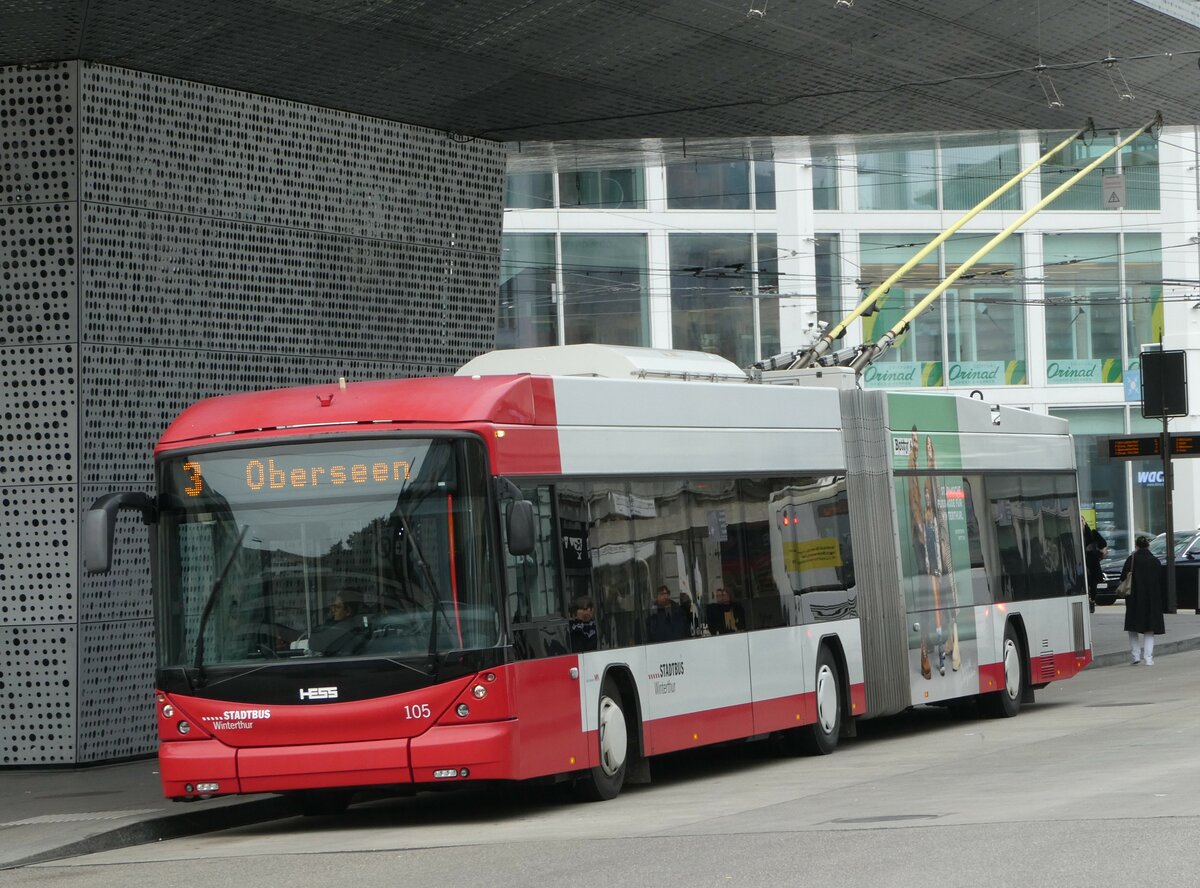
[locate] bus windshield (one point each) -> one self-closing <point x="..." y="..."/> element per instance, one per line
<point x="375" y="549"/>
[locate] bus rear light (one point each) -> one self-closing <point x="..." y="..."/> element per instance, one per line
<point x="479" y="691"/>
<point x="184" y="727"/>
<point x="463" y="710"/>
<point x="168" y="711"/>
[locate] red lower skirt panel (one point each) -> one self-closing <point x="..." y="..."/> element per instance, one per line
<point x="677" y="732"/>
<point x="800" y="709"/>
<point x="784" y="712"/>
<point x="1067" y="665"/>
<point x="324" y="765"/>
<point x="736" y="722"/>
<point x="991" y="677"/>
<point x="1042" y="670"/>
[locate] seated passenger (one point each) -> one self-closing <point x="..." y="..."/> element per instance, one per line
<point x="724" y="615"/>
<point x="667" y="621"/>
<point x="582" y="626"/>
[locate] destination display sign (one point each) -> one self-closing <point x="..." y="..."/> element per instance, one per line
<point x="1150" y="446"/>
<point x="295" y="472"/>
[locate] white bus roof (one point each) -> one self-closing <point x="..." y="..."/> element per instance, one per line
<point x="608" y="361"/>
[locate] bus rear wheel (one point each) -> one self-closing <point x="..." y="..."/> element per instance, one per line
<point x="1006" y="702"/>
<point x="604" y="781"/>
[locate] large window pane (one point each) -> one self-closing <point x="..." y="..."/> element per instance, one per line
<point x="825" y="181"/>
<point x="604" y="289"/>
<point x="707" y="271"/>
<point x="1085" y="194"/>
<point x="916" y="358"/>
<point x="1138" y="162"/>
<point x="527" y="315"/>
<point x="1083" y="309"/>
<point x="708" y="185"/>
<point x="1143" y="290"/>
<point x="899" y="179"/>
<point x="602" y="189"/>
<point x="970" y="172"/>
<point x="829" y="282"/>
<point x="1149" y="496"/>
<point x="764" y="182"/>
<point x="767" y="281"/>
<point x="1101" y="482"/>
<point x="529" y="191"/>
<point x="985" y="316"/>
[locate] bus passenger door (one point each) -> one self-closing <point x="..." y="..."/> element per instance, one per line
<point x="547" y="694"/>
<point x="533" y="588"/>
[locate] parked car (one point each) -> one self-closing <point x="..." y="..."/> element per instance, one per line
<point x="1187" y="569"/>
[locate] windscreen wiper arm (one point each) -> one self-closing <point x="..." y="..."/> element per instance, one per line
<point x="438" y="608"/>
<point x="212" y="599"/>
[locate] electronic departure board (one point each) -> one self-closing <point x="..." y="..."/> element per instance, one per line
<point x="1150" y="446"/>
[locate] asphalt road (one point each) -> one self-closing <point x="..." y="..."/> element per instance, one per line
<point x="1097" y="784"/>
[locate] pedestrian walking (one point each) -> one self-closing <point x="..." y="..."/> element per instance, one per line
<point x="1095" y="549"/>
<point x="1145" y="605"/>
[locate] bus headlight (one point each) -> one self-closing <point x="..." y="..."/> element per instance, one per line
<point x="463" y="710"/>
<point x="479" y="691"/>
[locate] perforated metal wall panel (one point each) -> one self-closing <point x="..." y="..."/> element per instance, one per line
<point x="163" y="242"/>
<point x="116" y="690"/>
<point x="38" y="681"/>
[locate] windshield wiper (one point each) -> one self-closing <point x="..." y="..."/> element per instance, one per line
<point x="198" y="663"/>
<point x="438" y="609"/>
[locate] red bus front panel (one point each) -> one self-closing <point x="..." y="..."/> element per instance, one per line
<point x="183" y="766"/>
<point x="325" y="765"/>
<point x="446" y="753"/>
<point x="549" y="705"/>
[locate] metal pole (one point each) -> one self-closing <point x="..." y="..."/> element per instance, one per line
<point x="827" y="339"/>
<point x="1168" y="498"/>
<point x="871" y="352"/>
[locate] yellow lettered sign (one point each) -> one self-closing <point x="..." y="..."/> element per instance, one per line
<point x="812" y="554"/>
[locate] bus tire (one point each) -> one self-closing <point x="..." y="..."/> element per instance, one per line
<point x="821" y="737"/>
<point x="1006" y="702"/>
<point x="604" y="781"/>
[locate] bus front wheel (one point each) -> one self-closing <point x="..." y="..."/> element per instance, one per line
<point x="604" y="781"/>
<point x="821" y="737"/>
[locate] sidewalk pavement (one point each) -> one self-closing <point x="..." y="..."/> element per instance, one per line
<point x="56" y="813"/>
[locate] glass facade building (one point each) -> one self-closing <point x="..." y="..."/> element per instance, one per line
<point x="747" y="249"/>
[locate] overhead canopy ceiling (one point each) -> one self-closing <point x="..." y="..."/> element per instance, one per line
<point x="515" y="70"/>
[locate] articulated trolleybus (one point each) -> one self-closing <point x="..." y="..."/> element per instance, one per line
<point x="561" y="562"/>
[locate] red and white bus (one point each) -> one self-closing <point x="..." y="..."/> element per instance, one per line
<point x="562" y="562"/>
